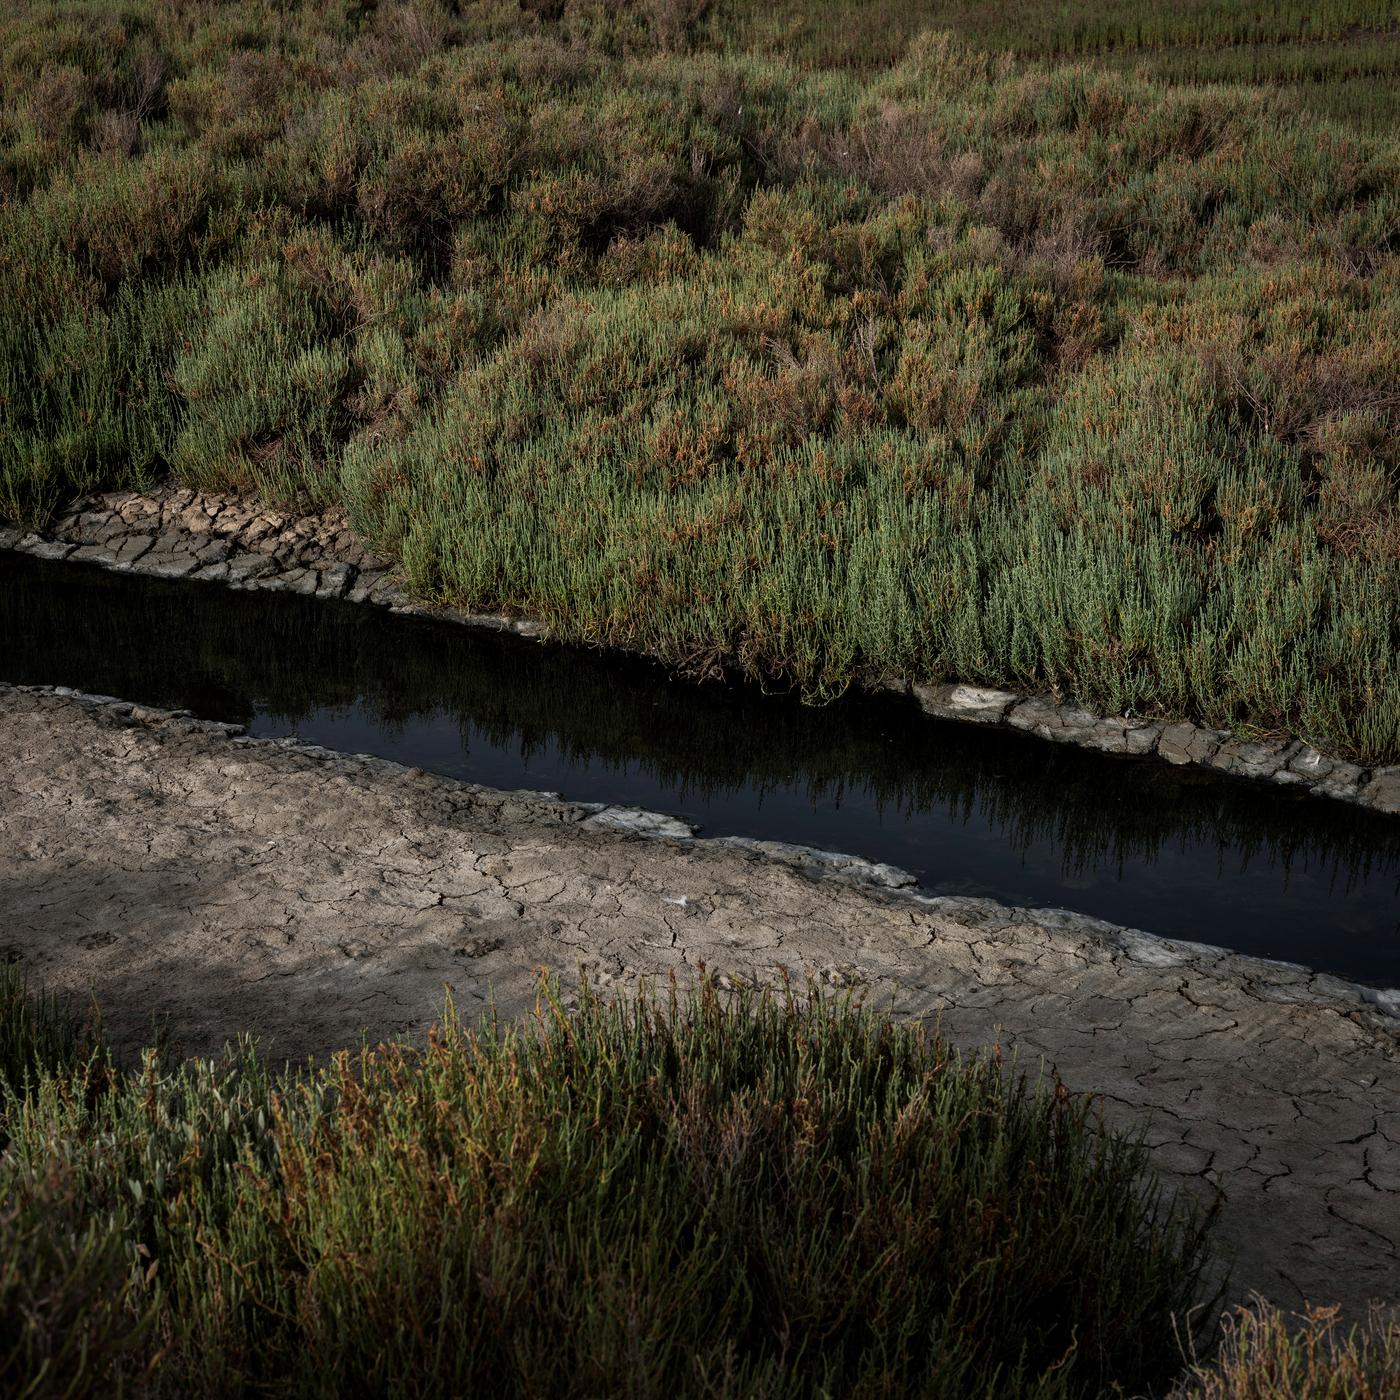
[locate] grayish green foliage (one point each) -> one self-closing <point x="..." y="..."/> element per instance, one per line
<point x="947" y="362"/>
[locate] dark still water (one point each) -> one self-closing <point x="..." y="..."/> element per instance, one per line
<point x="1186" y="854"/>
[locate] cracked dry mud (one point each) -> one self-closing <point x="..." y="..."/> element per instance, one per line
<point x="181" y="871"/>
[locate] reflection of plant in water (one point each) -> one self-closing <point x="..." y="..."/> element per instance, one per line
<point x="235" y="655"/>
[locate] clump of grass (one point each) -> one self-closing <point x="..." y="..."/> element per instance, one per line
<point x="693" y="1194"/>
<point x="1267" y="1354"/>
<point x="39" y="1034"/>
<point x="68" y="1309"/>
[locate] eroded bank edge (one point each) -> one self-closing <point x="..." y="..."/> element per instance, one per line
<point x="1263" y="978"/>
<point x="180" y="533"/>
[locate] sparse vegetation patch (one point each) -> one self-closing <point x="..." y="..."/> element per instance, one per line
<point x="1266" y="1354"/>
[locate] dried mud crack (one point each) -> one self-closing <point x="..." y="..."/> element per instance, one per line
<point x="188" y="876"/>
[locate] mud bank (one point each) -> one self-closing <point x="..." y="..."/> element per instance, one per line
<point x="191" y="877"/>
<point x="184" y="534"/>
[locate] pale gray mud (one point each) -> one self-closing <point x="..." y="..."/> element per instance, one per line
<point x="186" y="874"/>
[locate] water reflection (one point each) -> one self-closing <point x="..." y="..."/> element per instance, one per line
<point x="1188" y="854"/>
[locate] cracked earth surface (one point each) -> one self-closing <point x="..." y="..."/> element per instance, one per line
<point x="186" y="874"/>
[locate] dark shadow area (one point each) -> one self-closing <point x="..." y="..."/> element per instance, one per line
<point x="189" y="976"/>
<point x="1187" y="854"/>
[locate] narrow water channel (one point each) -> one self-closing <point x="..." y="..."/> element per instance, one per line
<point x="1187" y="854"/>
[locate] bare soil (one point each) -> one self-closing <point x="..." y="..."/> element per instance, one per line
<point x="191" y="878"/>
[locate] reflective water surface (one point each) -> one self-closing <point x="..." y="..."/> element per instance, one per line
<point x="1188" y="854"/>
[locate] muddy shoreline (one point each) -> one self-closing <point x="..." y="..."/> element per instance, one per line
<point x="191" y="877"/>
<point x="176" y="533"/>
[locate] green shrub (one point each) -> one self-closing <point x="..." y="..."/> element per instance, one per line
<point x="951" y="360"/>
<point x="700" y="1194"/>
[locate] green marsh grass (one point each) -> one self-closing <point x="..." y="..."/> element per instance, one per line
<point x="692" y="1194"/>
<point x="974" y="357"/>
<point x="1266" y="1353"/>
<point x="1337" y="59"/>
<point x="39" y="1035"/>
